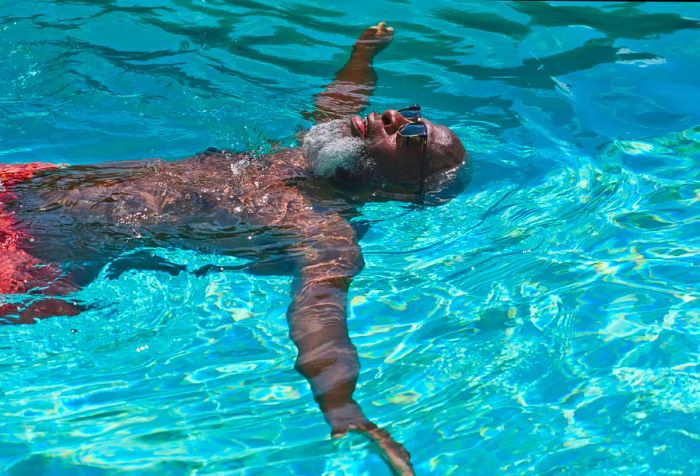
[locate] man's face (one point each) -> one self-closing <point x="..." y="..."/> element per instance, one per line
<point x="398" y="158"/>
<point x="373" y="148"/>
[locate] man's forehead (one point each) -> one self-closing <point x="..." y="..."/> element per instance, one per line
<point x="440" y="134"/>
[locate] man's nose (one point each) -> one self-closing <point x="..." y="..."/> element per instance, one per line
<point x="393" y="120"/>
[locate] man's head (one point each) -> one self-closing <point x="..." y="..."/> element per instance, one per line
<point x="379" y="147"/>
<point x="402" y="157"/>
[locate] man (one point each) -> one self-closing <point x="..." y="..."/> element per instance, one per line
<point x="60" y="225"/>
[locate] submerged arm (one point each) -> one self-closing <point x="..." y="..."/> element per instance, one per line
<point x="329" y="256"/>
<point x="354" y="83"/>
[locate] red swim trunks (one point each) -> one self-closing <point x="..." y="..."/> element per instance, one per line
<point x="19" y="271"/>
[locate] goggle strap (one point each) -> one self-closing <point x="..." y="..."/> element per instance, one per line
<point x="424" y="147"/>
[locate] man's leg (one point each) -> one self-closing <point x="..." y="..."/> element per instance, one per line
<point x="20" y="272"/>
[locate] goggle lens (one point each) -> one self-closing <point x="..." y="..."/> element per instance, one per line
<point x="411" y="112"/>
<point x="414" y="129"/>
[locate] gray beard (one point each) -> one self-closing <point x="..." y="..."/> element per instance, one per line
<point x="332" y="150"/>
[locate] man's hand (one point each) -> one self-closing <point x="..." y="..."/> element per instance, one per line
<point x="354" y="83"/>
<point x="376" y="37"/>
<point x="391" y="450"/>
<point x="349" y="417"/>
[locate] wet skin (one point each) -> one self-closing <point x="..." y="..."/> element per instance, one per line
<point x="79" y="219"/>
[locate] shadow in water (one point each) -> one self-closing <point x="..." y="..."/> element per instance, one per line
<point x="623" y="20"/>
<point x="614" y="21"/>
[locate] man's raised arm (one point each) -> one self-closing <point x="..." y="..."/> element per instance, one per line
<point x="354" y="83"/>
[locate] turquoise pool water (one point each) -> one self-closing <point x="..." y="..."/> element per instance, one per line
<point x="545" y="321"/>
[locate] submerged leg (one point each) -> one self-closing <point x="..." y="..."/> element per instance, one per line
<point x="20" y="272"/>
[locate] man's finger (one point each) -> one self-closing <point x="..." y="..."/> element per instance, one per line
<point x="381" y="26"/>
<point x="381" y="29"/>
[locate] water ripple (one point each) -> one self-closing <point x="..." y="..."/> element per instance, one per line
<point x="544" y="320"/>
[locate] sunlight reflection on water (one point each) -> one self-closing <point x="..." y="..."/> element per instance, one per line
<point x="544" y="320"/>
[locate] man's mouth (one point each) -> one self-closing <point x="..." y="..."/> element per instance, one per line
<point x="359" y="127"/>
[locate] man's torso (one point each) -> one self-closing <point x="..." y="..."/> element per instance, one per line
<point x="215" y="202"/>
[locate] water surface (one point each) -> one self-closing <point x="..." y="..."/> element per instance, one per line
<point x="545" y="321"/>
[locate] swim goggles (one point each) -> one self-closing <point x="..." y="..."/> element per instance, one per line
<point x="415" y="129"/>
